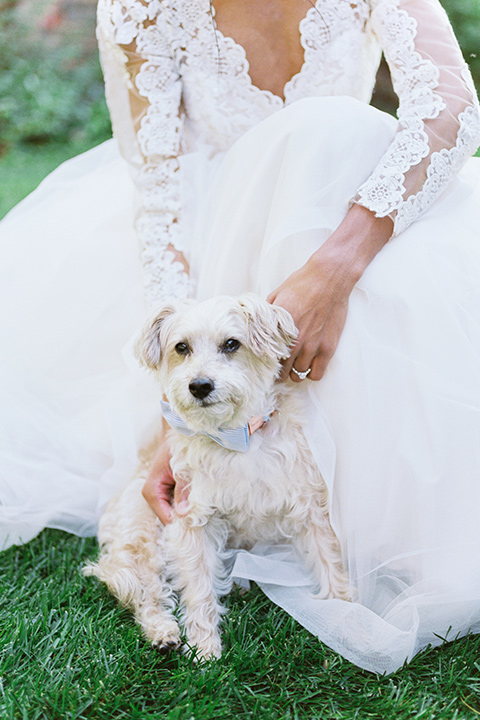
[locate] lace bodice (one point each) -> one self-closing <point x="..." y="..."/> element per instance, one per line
<point x="173" y="80"/>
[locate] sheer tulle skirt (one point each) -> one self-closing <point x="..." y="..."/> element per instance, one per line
<point x="394" y="425"/>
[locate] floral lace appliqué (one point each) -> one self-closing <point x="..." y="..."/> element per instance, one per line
<point x="416" y="81"/>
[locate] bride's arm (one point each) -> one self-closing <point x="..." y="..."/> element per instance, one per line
<point x="438" y="115"/>
<point x="317" y="294"/>
<point x="143" y="91"/>
<point x="438" y="129"/>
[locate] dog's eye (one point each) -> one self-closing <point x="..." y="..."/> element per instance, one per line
<point x="230" y="345"/>
<point x="182" y="348"/>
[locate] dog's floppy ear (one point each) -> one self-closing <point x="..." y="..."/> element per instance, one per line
<point x="271" y="330"/>
<point x="148" y="349"/>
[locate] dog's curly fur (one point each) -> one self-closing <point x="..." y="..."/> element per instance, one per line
<point x="271" y="492"/>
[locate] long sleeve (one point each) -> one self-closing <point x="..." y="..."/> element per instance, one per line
<point x="143" y="92"/>
<point x="439" y="121"/>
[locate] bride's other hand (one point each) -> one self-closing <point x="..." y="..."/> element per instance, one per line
<point x="161" y="490"/>
<point x="317" y="294"/>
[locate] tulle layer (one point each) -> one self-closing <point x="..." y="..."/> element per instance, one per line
<point x="73" y="416"/>
<point x="394" y="425"/>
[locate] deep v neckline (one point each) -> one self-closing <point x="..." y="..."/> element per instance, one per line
<point x="229" y="41"/>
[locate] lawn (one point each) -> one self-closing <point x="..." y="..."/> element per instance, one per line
<point x="68" y="651"/>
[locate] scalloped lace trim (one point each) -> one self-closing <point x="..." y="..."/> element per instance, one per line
<point x="159" y="136"/>
<point x="316" y="29"/>
<point x="164" y="276"/>
<point x="443" y="165"/>
<point x="415" y="80"/>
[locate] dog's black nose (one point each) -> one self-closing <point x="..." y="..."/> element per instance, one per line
<point x="201" y="387"/>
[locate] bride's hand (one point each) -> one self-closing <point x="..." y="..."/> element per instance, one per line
<point x="161" y="490"/>
<point x="317" y="294"/>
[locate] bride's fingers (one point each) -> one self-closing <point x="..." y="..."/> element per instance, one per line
<point x="182" y="490"/>
<point x="297" y="365"/>
<point x="319" y="365"/>
<point x="157" y="491"/>
<point x="286" y="365"/>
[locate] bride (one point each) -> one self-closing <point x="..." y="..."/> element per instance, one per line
<point x="257" y="164"/>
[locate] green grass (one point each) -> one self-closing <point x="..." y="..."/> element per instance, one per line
<point x="68" y="651"/>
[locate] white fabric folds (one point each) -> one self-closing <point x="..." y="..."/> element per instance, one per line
<point x="394" y="425"/>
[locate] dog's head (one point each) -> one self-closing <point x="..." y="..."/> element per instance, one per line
<point x="217" y="360"/>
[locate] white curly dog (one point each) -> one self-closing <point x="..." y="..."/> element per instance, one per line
<point x="237" y="440"/>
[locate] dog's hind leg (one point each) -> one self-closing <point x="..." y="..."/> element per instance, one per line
<point x="132" y="562"/>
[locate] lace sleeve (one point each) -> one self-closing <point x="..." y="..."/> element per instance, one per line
<point x="143" y="91"/>
<point x="439" y="121"/>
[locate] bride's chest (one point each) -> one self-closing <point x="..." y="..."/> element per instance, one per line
<point x="269" y="33"/>
<point x="233" y="77"/>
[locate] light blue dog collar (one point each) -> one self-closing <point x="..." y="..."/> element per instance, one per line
<point x="237" y="439"/>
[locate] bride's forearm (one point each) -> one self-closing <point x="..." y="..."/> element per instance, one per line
<point x="317" y="294"/>
<point x="354" y="244"/>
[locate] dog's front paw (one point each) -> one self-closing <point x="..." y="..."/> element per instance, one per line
<point x="164" y="636"/>
<point x="205" y="647"/>
<point x="166" y="646"/>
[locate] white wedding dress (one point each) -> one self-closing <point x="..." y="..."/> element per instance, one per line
<point x="248" y="185"/>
